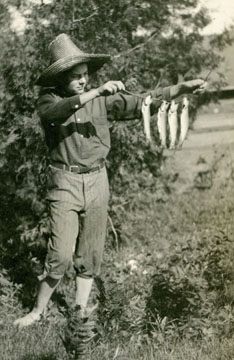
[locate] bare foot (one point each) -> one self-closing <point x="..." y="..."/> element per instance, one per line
<point x="28" y="319"/>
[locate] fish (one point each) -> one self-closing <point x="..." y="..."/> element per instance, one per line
<point x="145" y="109"/>
<point x="184" y="122"/>
<point x="162" y="123"/>
<point x="173" y="124"/>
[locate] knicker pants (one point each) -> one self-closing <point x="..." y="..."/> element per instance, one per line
<point x="78" y="216"/>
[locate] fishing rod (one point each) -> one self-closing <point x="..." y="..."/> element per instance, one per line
<point x="208" y="75"/>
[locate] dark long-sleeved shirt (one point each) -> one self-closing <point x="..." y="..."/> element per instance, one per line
<point x="79" y="134"/>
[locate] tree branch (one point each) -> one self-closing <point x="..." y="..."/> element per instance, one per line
<point x="136" y="47"/>
<point x="86" y="18"/>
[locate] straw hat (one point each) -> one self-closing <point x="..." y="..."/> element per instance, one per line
<point x="64" y="55"/>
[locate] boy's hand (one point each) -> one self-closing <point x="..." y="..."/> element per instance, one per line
<point x="110" y="88"/>
<point x="196" y="86"/>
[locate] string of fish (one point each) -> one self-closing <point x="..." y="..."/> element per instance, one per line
<point x="167" y="114"/>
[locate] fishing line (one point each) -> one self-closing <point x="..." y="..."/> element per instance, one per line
<point x="130" y="93"/>
<point x="178" y="99"/>
<point x="142" y="96"/>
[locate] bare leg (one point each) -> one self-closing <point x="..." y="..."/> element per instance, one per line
<point x="83" y="289"/>
<point x="46" y="290"/>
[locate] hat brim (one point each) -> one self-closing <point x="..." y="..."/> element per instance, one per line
<point x="50" y="75"/>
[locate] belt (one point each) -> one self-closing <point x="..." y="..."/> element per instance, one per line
<point x="77" y="169"/>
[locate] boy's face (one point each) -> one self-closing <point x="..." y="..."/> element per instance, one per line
<point x="76" y="79"/>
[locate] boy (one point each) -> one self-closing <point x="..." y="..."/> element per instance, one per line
<point x="76" y="125"/>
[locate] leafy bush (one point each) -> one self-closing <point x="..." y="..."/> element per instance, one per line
<point x="183" y="296"/>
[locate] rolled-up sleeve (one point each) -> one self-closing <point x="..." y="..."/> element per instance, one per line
<point x="161" y="93"/>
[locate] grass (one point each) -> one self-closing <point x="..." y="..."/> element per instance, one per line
<point x="187" y="240"/>
<point x="42" y="343"/>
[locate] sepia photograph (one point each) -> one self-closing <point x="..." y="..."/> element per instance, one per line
<point x="117" y="180"/>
